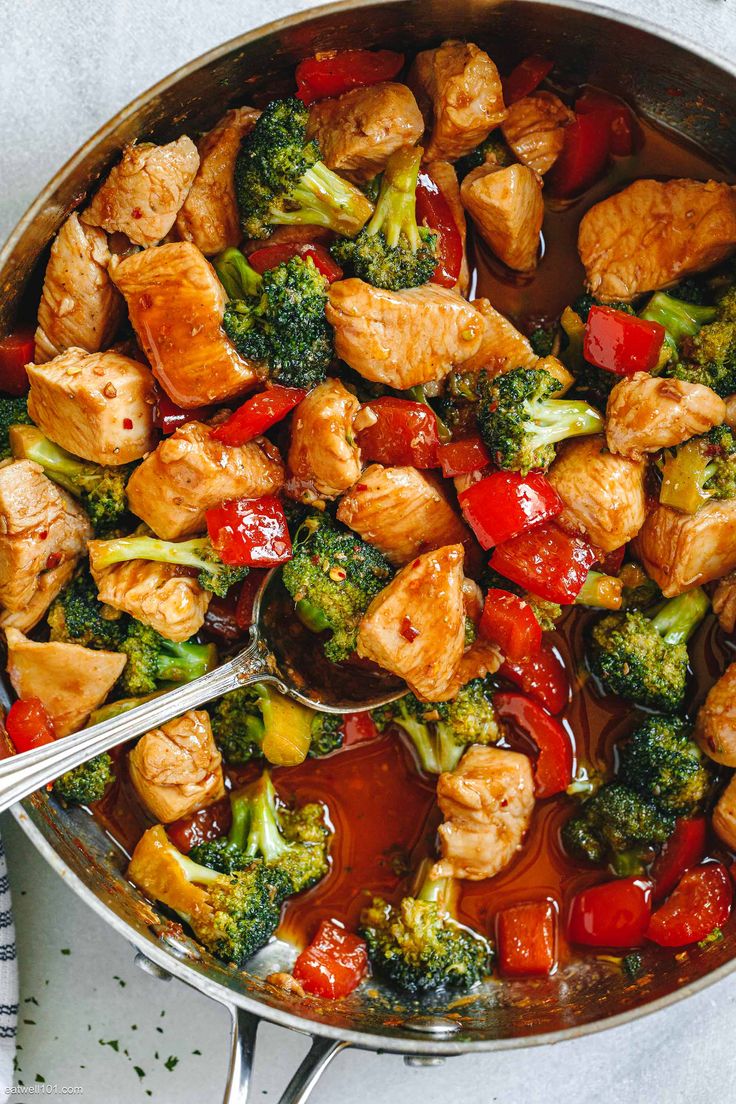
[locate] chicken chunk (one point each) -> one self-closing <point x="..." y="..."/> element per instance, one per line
<point x="487" y="803"/>
<point x="482" y="658"/>
<point x="80" y="306"/>
<point x="604" y="496"/>
<point x="402" y="511"/>
<point x="715" y="725"/>
<point x="681" y="551"/>
<point x="50" y="584"/>
<point x="358" y="131"/>
<point x="655" y="232"/>
<point x="96" y="405"/>
<point x="730" y="418"/>
<point x="159" y="595"/>
<point x="646" y="413"/>
<point x="176" y="306"/>
<point x="324" y="458"/>
<point x="402" y="338"/>
<point x="724" y="602"/>
<point x="70" y="680"/>
<point x="459" y="92"/>
<point x="502" y="347"/>
<point x="508" y="210"/>
<point x="190" y="472"/>
<point x="534" y="129"/>
<point x="444" y="175"/>
<point x="143" y="193"/>
<point x="724" y="815"/>
<point x="415" y="627"/>
<point x="209" y="215"/>
<point x="177" y="769"/>
<point x="41" y="528"/>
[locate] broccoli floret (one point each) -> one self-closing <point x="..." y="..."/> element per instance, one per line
<point x="333" y="577"/>
<point x="645" y="658"/>
<point x="543" y="339"/>
<point x="493" y="151"/>
<point x="13" y="411"/>
<point x="78" y="617"/>
<point x="100" y="490"/>
<point x="698" y="470"/>
<point x="709" y="357"/>
<point x="278" y="318"/>
<point x="418" y="946"/>
<point x="214" y="575"/>
<point x="153" y="659"/>
<point x="600" y="591"/>
<point x="693" y="289"/>
<point x="327" y="735"/>
<point x="663" y="763"/>
<point x="392" y="251"/>
<point x="614" y="822"/>
<point x="86" y="783"/>
<point x="680" y="319"/>
<point x="242" y="719"/>
<point x="521" y="422"/>
<point x="226" y="854"/>
<point x="639" y="591"/>
<point x="280" y="178"/>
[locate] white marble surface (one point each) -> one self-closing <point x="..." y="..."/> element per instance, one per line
<point x="67" y="66"/>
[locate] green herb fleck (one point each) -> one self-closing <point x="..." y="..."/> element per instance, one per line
<point x="171" y="1063"/>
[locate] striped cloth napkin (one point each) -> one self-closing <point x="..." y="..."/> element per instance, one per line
<point x="8" y="980"/>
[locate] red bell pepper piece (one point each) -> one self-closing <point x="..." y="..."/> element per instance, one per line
<point x="621" y="343"/>
<point x="547" y="562"/>
<point x="16" y="350"/>
<point x="553" y="769"/>
<point x="261" y="260"/>
<point x="526" y="939"/>
<point x="614" y="914"/>
<point x="507" y="503"/>
<point x="331" y="74"/>
<point x="684" y="849"/>
<point x="542" y="676"/>
<point x="624" y="133"/>
<point x="522" y="80"/>
<point x="250" y="532"/>
<point x="584" y="155"/>
<point x="404" y="434"/>
<point x="29" y="725"/>
<point x="358" y="728"/>
<point x="206" y="824"/>
<point x="333" y="964"/>
<point x="463" y="457"/>
<point x="258" y="414"/>
<point x="168" y="416"/>
<point x="700" y="904"/>
<point x="509" y="621"/>
<point x="435" y="212"/>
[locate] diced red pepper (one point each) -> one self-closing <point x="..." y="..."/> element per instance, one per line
<point x="250" y="532"/>
<point x="526" y="939"/>
<point x="206" y="824"/>
<point x="331" y="74"/>
<point x="333" y="964"/>
<point x="700" y="904"/>
<point x="621" y="343"/>
<point x="684" y="849"/>
<point x="614" y="914"/>
<point x="435" y="212"/>
<point x="463" y="457"/>
<point x="584" y="155"/>
<point x="261" y="260"/>
<point x="507" y="503"/>
<point x="258" y="414"/>
<point x="16" y="350"/>
<point x="542" y="676"/>
<point x="358" y="728"/>
<point x="509" y="621"/>
<point x="523" y="79"/>
<point x="168" y="416"/>
<point x="403" y="435"/>
<point x="29" y="725"/>
<point x="624" y="133"/>
<point x="547" y="562"/>
<point x="553" y="768"/>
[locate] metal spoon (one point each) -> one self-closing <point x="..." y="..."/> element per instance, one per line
<point x="264" y="660"/>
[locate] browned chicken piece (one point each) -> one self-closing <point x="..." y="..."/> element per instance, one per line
<point x="159" y="595"/>
<point x="459" y="92"/>
<point x="604" y="496"/>
<point x="507" y="207"/>
<point x="724" y="815"/>
<point x="402" y="511"/>
<point x="324" y="458"/>
<point x="50" y="584"/>
<point x="70" y="680"/>
<point x="681" y="551"/>
<point x="502" y="347"/>
<point x="176" y="305"/>
<point x="487" y="803"/>
<point x="41" y="527"/>
<point x="724" y="602"/>
<point x="80" y="306"/>
<point x="402" y="338"/>
<point x="715" y="725"/>
<point x="646" y="413"/>
<point x="730" y="418"/>
<point x="655" y="232"/>
<point x="97" y="405"/>
<point x="534" y="129"/>
<point x="177" y="769"/>
<point x="444" y="175"/>
<point x="190" y="472"/>
<point x="480" y="659"/>
<point x="209" y="214"/>
<point x="358" y="131"/>
<point x="415" y="627"/>
<point x="143" y="193"/>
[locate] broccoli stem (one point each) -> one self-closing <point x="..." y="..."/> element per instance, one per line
<point x="195" y="872"/>
<point x="310" y="616"/>
<point x="183" y="553"/>
<point x="395" y="212"/>
<point x="264" y="832"/>
<point x="443" y="892"/>
<point x="57" y="463"/>
<point x="679" y="617"/>
<point x="679" y="319"/>
<point x="418" y="393"/>
<point x="185" y="662"/>
<point x="601" y="591"/>
<point x="555" y="420"/>
<point x="322" y="198"/>
<point x="117" y="708"/>
<point x="239" y="280"/>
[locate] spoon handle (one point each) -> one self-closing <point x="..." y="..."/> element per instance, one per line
<point x="21" y="775"/>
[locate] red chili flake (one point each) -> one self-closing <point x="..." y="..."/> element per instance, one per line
<point x="127" y="423"/>
<point x="43" y="534"/>
<point x="408" y="631"/>
<point x="145" y="302"/>
<point x="53" y="561"/>
<point x="137" y="213"/>
<point x="361" y="486"/>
